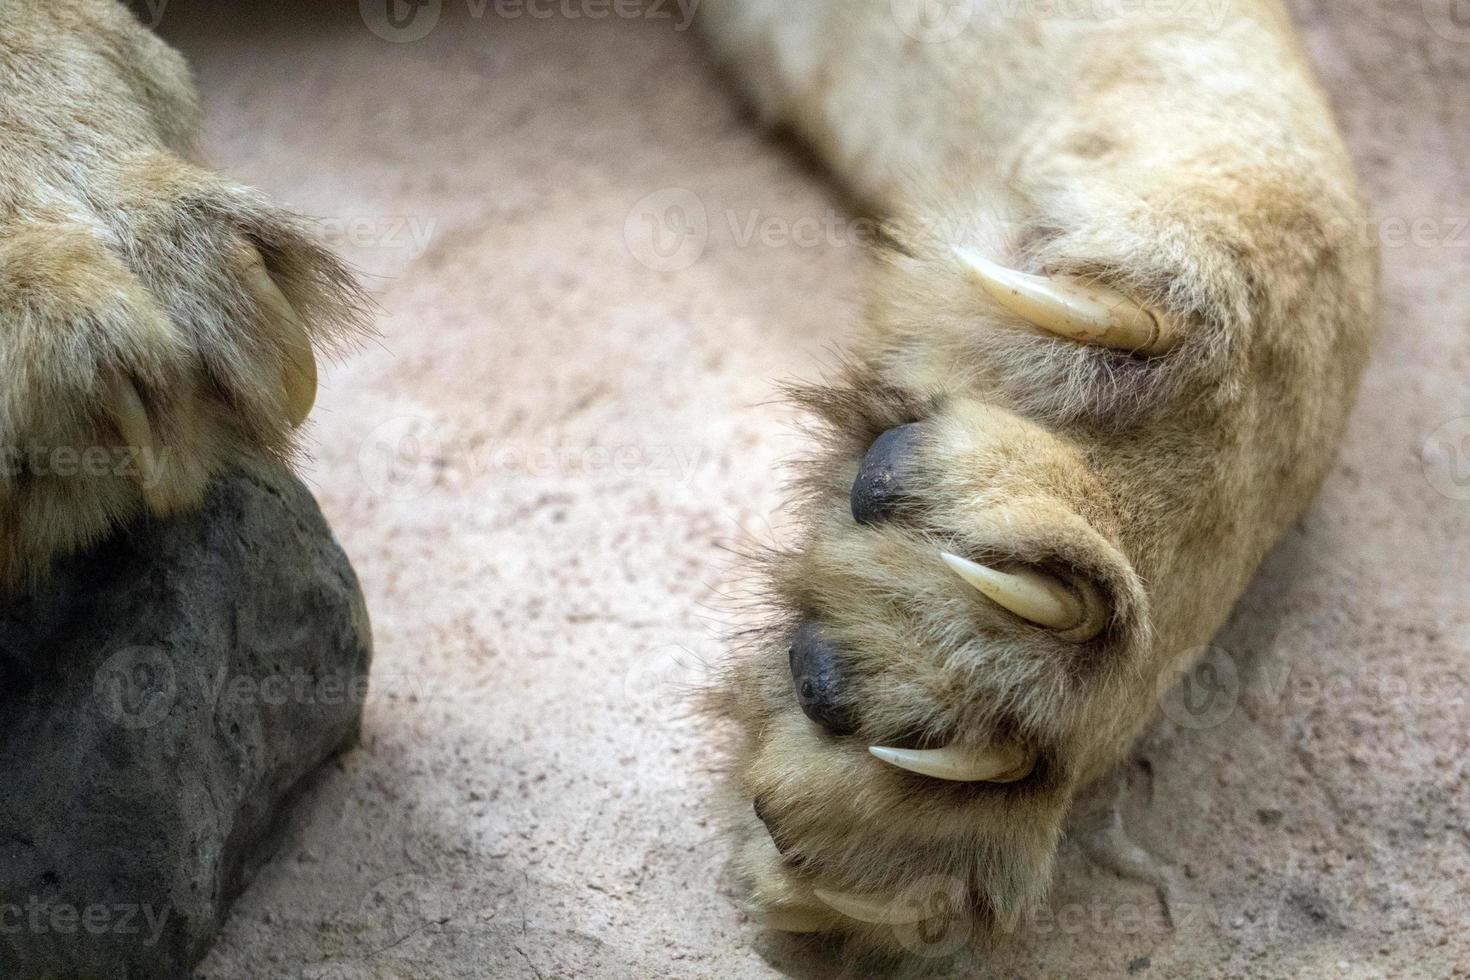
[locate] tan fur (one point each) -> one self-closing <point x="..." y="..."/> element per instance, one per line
<point x="119" y="259"/>
<point x="1194" y="166"/>
<point x="1188" y="162"/>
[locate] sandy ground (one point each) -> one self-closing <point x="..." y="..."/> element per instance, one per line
<point x="566" y="419"/>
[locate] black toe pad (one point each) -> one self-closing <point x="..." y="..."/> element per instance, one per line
<point x="817" y="676"/>
<point x="889" y="464"/>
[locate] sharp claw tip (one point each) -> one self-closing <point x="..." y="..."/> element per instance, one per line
<point x="796" y="920"/>
<point x="958" y="764"/>
<point x="1031" y="595"/>
<point x="870" y="909"/>
<point x="131" y="416"/>
<point x="1078" y="310"/>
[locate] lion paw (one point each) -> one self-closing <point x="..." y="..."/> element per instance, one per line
<point x="959" y="631"/>
<point x="162" y="330"/>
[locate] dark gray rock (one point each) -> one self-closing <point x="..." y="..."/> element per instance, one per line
<point x="162" y="698"/>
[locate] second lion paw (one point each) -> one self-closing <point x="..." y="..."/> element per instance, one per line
<point x="960" y="649"/>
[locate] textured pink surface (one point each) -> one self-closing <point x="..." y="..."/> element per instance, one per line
<point x="576" y="432"/>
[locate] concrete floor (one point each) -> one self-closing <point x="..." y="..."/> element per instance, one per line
<point x="538" y="465"/>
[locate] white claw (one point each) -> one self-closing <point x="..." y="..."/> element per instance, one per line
<point x="959" y="764"/>
<point x="1070" y="307"/>
<point x="131" y="417"/>
<point x="298" y="373"/>
<point x="872" y="909"/>
<point x="794" y="920"/>
<point x="1034" y="596"/>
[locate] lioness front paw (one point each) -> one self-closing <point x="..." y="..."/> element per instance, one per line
<point x="156" y="330"/>
<point x="961" y="641"/>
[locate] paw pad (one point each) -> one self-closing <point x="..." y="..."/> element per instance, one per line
<point x="889" y="464"/>
<point x="817" y="676"/>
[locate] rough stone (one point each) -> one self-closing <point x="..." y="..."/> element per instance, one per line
<point x="162" y="697"/>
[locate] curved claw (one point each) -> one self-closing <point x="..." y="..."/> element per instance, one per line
<point x="1072" y="308"/>
<point x="959" y="764"/>
<point x="873" y="909"/>
<point x="1036" y="597"/>
<point x="795" y="920"/>
<point x="131" y="417"/>
<point x="298" y="373"/>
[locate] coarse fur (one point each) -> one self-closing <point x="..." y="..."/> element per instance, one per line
<point x="1193" y="164"/>
<point x="1185" y="159"/>
<point x="120" y="260"/>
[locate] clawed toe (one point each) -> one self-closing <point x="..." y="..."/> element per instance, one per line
<point x="130" y="416"/>
<point x="298" y="367"/>
<point x="794" y="920"/>
<point x="1076" y="610"/>
<point x="874" y="910"/>
<point x="962" y="764"/>
<point x="940" y="629"/>
<point x="1072" y="308"/>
